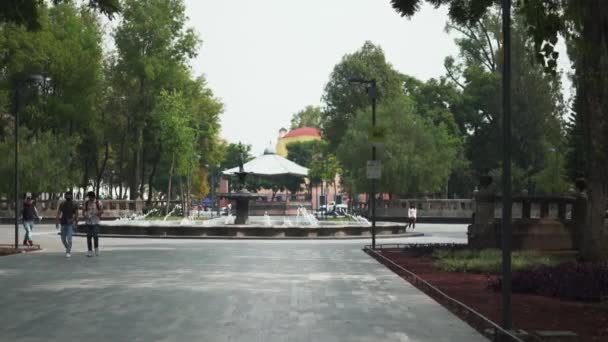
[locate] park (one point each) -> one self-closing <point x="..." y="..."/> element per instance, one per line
<point x="405" y="170"/>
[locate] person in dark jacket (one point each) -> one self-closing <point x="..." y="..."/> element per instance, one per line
<point x="29" y="213"/>
<point x="67" y="216"/>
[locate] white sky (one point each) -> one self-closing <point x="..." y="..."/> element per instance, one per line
<point x="267" y="59"/>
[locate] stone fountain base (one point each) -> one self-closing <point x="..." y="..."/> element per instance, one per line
<point x="175" y="230"/>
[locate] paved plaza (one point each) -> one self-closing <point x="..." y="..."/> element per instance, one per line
<point x="217" y="290"/>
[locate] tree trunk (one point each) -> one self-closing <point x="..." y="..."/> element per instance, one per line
<point x="188" y="201"/>
<point x="181" y="195"/>
<point x="169" y="186"/>
<point x="134" y="186"/>
<point x="142" y="176"/>
<point x="153" y="173"/>
<point x="101" y="169"/>
<point x="121" y="158"/>
<point x="592" y="73"/>
<point x="335" y="190"/>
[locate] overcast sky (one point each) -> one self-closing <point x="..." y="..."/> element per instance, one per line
<point x="267" y="59"/>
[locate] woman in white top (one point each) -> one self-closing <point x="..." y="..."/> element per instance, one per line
<point x="411" y="214"/>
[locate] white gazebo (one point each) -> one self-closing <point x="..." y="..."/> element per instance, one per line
<point x="270" y="164"/>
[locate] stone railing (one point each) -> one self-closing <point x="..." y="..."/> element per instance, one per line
<point x="48" y="208"/>
<point x="427" y="208"/>
<point x="539" y="222"/>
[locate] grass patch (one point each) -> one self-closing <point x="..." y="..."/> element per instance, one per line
<point x="489" y="260"/>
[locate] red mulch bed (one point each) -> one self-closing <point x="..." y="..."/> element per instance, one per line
<point x="530" y="312"/>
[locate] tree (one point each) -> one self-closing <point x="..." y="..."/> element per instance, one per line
<point x="307" y="117"/>
<point x="27" y="12"/>
<point x="343" y="99"/>
<point x="152" y="56"/>
<point x="176" y="135"/>
<point x="311" y="154"/>
<point x="40" y="169"/>
<point x="302" y="152"/>
<point x="585" y="25"/>
<point x="537" y="111"/>
<point x="67" y="49"/>
<point x="416" y="158"/>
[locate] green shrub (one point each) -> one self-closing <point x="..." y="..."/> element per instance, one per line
<point x="488" y="260"/>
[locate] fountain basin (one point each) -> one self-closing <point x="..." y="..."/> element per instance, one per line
<point x="216" y="229"/>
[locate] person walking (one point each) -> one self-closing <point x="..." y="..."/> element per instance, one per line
<point x="411" y="214"/>
<point x="67" y="216"/>
<point x="28" y="215"/>
<point x="93" y="209"/>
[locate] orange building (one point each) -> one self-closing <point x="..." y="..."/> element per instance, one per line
<point x="297" y="135"/>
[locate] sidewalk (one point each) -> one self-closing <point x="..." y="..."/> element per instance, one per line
<point x="215" y="291"/>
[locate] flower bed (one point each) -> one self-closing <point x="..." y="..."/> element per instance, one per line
<point x="531" y="312"/>
<point x="583" y="282"/>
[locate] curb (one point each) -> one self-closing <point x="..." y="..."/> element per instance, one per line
<point x="186" y="237"/>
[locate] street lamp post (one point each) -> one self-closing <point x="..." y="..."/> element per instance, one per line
<point x="506" y="167"/>
<point x="36" y="79"/>
<point x="372" y="92"/>
<point x="213" y="171"/>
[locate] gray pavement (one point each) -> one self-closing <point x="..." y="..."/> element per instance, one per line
<point x="217" y="290"/>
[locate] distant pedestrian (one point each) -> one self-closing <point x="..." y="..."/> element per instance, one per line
<point x="93" y="209"/>
<point x="411" y="215"/>
<point x="67" y="216"/>
<point x="28" y="215"/>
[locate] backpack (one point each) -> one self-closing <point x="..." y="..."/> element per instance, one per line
<point x="86" y="206"/>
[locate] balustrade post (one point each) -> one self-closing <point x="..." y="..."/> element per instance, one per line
<point x="561" y="210"/>
<point x="526" y="208"/>
<point x="544" y="209"/>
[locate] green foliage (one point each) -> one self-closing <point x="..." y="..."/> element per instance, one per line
<point x="232" y="153"/>
<point x="343" y="99"/>
<point x="176" y="132"/>
<point x="126" y="113"/>
<point x="488" y="261"/>
<point x="27" y="12"/>
<point x="46" y="163"/>
<point x="536" y="105"/>
<point x="417" y="156"/>
<point x="307" y="117"/>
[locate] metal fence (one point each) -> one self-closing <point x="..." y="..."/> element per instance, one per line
<point x="478" y="321"/>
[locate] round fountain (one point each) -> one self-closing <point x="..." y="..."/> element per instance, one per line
<point x="241" y="197"/>
<point x="303" y="225"/>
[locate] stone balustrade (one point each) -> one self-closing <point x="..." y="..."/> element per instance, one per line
<point x="538" y="222"/>
<point x="48" y="208"/>
<point x="428" y="209"/>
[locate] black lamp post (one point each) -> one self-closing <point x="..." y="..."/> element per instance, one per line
<point x="372" y="92"/>
<point x="212" y="170"/>
<point x="506" y="167"/>
<point x="38" y="80"/>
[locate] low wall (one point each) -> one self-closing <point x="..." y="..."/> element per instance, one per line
<point x="539" y="222"/>
<point x="48" y="208"/>
<point x="427" y="208"/>
<point x="336" y="231"/>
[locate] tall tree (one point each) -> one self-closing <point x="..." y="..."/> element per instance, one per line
<point x="307" y="117"/>
<point x="153" y="47"/>
<point x="67" y="49"/>
<point x="417" y="156"/>
<point x="27" y="12"/>
<point x="585" y="25"/>
<point x="343" y="99"/>
<point x="537" y="111"/>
